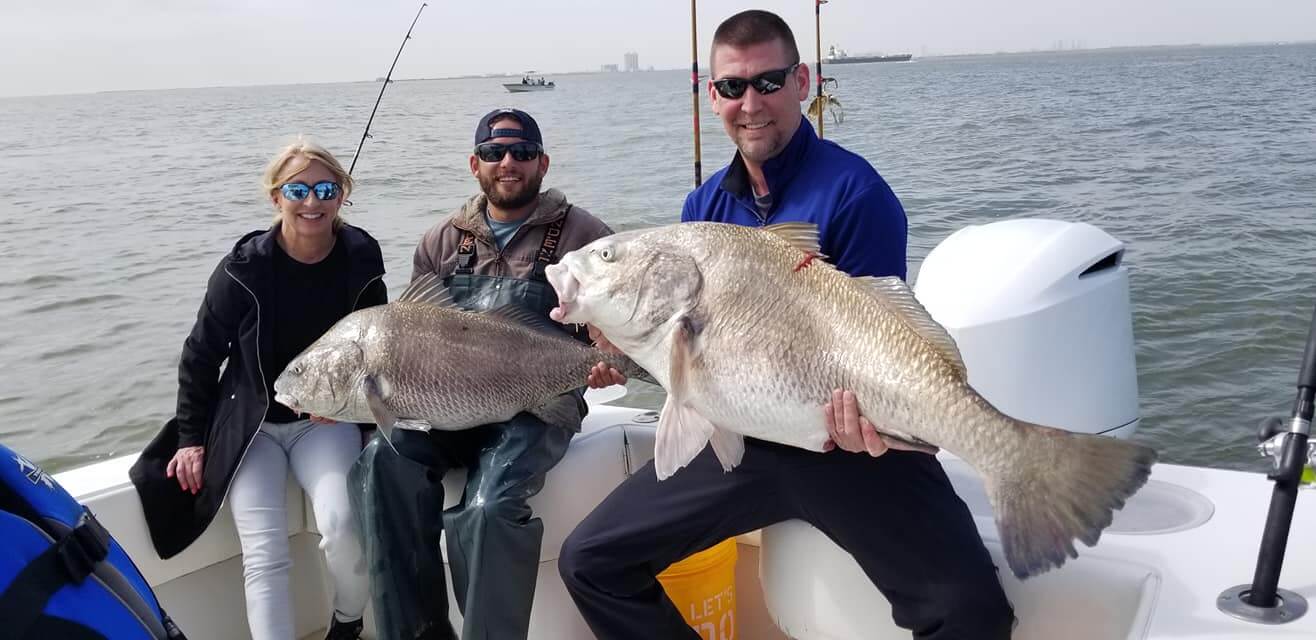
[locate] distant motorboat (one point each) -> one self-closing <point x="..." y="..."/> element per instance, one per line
<point x="528" y="83"/>
<point x="840" y="56"/>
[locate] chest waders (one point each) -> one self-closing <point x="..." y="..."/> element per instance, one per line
<point x="493" y="540"/>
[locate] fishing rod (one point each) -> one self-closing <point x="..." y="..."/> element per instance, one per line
<point x="817" y="36"/>
<point x="694" y="89"/>
<point x="387" y="79"/>
<point x="1262" y="601"/>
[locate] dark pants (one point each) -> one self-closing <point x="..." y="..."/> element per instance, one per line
<point x="493" y="541"/>
<point x="897" y="515"/>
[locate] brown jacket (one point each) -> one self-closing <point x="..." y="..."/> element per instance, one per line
<point x="437" y="252"/>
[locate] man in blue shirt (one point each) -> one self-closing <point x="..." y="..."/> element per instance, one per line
<point x="894" y="511"/>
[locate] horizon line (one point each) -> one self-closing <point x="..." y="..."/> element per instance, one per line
<point x="469" y="76"/>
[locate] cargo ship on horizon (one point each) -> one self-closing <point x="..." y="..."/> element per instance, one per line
<point x="840" y="56"/>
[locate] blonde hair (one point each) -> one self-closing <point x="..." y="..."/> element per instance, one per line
<point x="293" y="159"/>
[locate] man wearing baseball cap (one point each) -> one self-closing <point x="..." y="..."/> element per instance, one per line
<point x="491" y="252"/>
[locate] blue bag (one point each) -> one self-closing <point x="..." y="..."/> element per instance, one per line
<point x="61" y="573"/>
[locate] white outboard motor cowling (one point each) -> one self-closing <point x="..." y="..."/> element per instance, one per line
<point x="1040" y="312"/>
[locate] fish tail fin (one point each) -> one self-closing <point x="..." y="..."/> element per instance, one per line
<point x="1066" y="487"/>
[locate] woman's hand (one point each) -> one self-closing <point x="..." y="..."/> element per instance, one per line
<point x="187" y="465"/>
<point x="319" y="420"/>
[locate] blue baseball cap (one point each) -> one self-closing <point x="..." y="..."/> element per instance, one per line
<point x="529" y="128"/>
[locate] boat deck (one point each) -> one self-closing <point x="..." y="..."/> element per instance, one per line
<point x="1155" y="575"/>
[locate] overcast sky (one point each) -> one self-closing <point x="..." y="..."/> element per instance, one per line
<point x="76" y="46"/>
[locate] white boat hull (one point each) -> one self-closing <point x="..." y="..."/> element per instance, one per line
<point x="1151" y="586"/>
<point x="527" y="88"/>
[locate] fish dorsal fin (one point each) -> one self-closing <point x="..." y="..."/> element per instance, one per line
<point x="427" y="289"/>
<point x="898" y="298"/>
<point x="527" y="318"/>
<point x="801" y="235"/>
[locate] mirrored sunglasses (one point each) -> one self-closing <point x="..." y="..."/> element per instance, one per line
<point x="298" y="191"/>
<point x="765" y="83"/>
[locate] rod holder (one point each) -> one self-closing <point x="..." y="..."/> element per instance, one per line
<point x="1262" y="601"/>
<point x="1234" y="601"/>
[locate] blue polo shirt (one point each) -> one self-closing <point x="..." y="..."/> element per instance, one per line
<point x="860" y="221"/>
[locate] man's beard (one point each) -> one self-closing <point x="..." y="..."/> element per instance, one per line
<point x="497" y="197"/>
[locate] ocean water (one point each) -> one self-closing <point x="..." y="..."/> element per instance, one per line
<point x="115" y="207"/>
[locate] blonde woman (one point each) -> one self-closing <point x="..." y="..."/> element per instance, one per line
<point x="277" y="291"/>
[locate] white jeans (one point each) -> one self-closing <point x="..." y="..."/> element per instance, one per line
<point x="320" y="456"/>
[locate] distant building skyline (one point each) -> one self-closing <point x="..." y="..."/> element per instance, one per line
<point x="631" y="61"/>
<point x="85" y="46"/>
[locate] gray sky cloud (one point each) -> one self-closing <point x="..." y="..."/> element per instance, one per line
<point x="79" y="45"/>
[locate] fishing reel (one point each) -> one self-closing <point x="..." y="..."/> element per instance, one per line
<point x="1271" y="434"/>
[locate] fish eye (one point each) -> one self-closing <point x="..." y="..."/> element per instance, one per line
<point x="606" y="254"/>
<point x="297" y="369"/>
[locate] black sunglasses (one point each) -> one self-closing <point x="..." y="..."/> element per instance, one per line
<point x="764" y="83"/>
<point x="521" y="151"/>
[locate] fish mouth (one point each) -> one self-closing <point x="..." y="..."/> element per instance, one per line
<point x="567" y="288"/>
<point x="287" y="401"/>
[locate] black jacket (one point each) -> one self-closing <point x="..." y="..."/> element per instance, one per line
<point x="224" y="411"/>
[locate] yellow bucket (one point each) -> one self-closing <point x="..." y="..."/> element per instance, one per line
<point x="703" y="588"/>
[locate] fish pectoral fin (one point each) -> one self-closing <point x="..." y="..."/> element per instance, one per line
<point x="684" y="356"/>
<point x="384" y="417"/>
<point x="682" y="434"/>
<point x="728" y="446"/>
